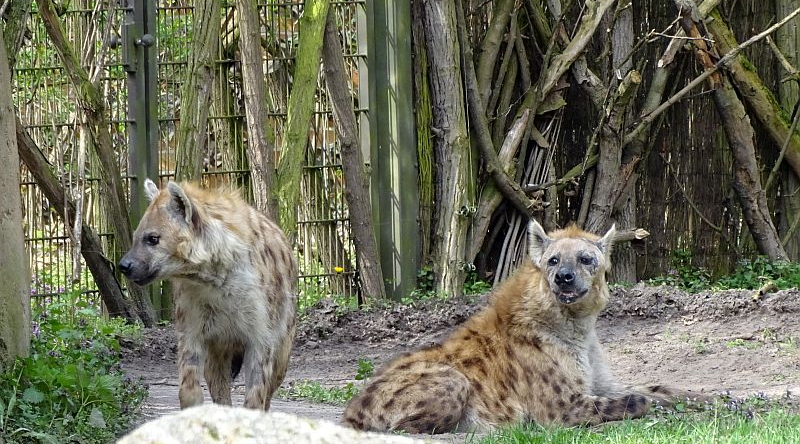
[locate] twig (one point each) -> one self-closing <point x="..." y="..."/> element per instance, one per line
<point x="689" y="200"/>
<point x="647" y="119"/>
<point x="774" y="173"/>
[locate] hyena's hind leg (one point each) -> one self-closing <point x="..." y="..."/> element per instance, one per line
<point x="417" y="397"/>
<point x="669" y="396"/>
<point x="593" y="410"/>
<point x="219" y="371"/>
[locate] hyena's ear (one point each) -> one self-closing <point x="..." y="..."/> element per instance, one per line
<point x="150" y="190"/>
<point x="537" y="240"/>
<point x="606" y="243"/>
<point x="180" y="204"/>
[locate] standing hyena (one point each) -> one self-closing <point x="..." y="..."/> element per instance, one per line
<point x="531" y="355"/>
<point x="233" y="276"/>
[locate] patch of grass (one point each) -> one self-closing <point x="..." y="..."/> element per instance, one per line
<point x="741" y="342"/>
<point x="71" y="388"/>
<point x="313" y="391"/>
<point x="733" y="423"/>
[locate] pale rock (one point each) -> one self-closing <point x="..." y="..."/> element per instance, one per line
<point x="215" y="424"/>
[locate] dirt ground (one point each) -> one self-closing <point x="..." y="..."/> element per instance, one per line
<point x="716" y="342"/>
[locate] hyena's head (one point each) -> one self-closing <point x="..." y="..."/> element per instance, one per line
<point x="162" y="243"/>
<point x="573" y="261"/>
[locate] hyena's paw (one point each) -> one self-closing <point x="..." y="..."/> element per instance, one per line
<point x="257" y="398"/>
<point x="595" y="410"/>
<point x="668" y="396"/>
<point x="190" y="393"/>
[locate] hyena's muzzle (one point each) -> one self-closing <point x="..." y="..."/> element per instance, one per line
<point x="569" y="286"/>
<point x="137" y="270"/>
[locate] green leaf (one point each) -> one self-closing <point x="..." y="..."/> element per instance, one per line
<point x="96" y="419"/>
<point x="32" y="396"/>
<point x="680" y="407"/>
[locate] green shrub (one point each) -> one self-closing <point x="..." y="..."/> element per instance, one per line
<point x="71" y="387"/>
<point x="752" y="274"/>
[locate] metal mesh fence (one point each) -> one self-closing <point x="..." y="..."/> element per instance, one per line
<point x="47" y="107"/>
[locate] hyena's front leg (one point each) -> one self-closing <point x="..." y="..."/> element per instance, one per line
<point x="218" y="374"/>
<point x="190" y="393"/>
<point x="259" y="376"/>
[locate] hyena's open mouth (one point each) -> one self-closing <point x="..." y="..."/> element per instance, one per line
<point x="569" y="297"/>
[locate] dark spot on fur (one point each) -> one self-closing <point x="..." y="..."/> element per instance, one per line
<point x="405" y="366"/>
<point x="388" y="404"/>
<point x="557" y="389"/>
<point x="609" y="410"/>
<point x="562" y="404"/>
<point x="574" y="397"/>
<point x="551" y="415"/>
<point x="402" y="389"/>
<point x="420" y="404"/>
<point x="366" y="401"/>
<point x="360" y="415"/>
<point x="475" y="363"/>
<point x="448" y="419"/>
<point x="477" y="386"/>
<point x="545" y="379"/>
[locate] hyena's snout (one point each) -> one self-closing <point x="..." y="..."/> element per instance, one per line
<point x="569" y="286"/>
<point x="136" y="270"/>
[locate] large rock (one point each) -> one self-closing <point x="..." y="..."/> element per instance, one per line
<point x="214" y="424"/>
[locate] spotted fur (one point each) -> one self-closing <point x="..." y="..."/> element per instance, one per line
<point x="531" y="355"/>
<point x="233" y="276"/>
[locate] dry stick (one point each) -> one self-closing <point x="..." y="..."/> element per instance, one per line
<point x="793" y="74"/>
<point x="648" y="119"/>
<point x="774" y="173"/>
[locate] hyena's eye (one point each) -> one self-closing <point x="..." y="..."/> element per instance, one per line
<point x="152" y="239"/>
<point x="587" y="260"/>
<point x="553" y="261"/>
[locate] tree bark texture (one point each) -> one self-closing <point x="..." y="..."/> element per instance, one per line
<point x="16" y="24"/>
<point x="451" y="145"/>
<point x="15" y="297"/>
<point x="356" y="178"/>
<point x="192" y="132"/>
<point x="741" y="138"/>
<point x="746" y="175"/>
<point x="301" y="107"/>
<point x="424" y="118"/>
<point x="260" y="152"/>
<point x="112" y="192"/>
<point x="91" y="247"/>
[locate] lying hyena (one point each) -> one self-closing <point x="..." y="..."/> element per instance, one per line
<point x="233" y="275"/>
<point x="531" y="355"/>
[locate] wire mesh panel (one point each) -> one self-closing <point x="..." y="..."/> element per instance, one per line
<point x="48" y="108"/>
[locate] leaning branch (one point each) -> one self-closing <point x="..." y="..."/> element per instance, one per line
<point x="723" y="62"/>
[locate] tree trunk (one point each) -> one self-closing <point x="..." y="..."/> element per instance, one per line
<point x="112" y="192"/>
<point x="196" y="91"/>
<point x="747" y="179"/>
<point x="451" y="145"/>
<point x="356" y="178"/>
<point x="16" y="25"/>
<point x="91" y="246"/>
<point x="424" y="118"/>
<point x="15" y="297"/>
<point x="260" y="153"/>
<point x="301" y="107"/>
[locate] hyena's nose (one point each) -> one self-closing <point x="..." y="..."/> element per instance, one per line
<point x="565" y="276"/>
<point x="125" y="266"/>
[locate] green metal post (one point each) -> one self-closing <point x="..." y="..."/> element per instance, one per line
<point x="139" y="58"/>
<point x="392" y="138"/>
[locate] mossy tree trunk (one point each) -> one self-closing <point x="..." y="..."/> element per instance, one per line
<point x="15" y="297"/>
<point x="301" y="106"/>
<point x="96" y="122"/>
<point x="356" y="176"/>
<point x="196" y="90"/>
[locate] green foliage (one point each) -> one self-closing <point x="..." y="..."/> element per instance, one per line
<point x="748" y="275"/>
<point x="474" y="285"/>
<point x="365" y="369"/>
<point x="755" y="421"/>
<point x="71" y="387"/>
<point x="313" y="391"/>
<point x="684" y="274"/>
<point x="752" y="274"/>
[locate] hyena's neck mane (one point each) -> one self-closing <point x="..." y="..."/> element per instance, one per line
<point x="526" y="310"/>
<point x="219" y="242"/>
